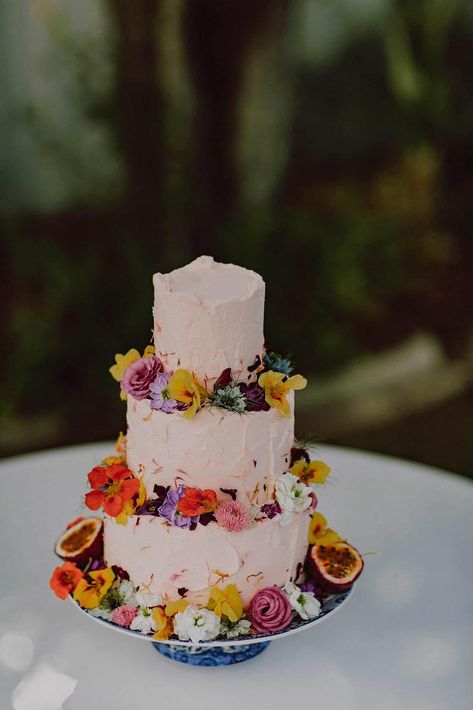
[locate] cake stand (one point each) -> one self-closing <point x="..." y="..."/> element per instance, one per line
<point x="225" y="652"/>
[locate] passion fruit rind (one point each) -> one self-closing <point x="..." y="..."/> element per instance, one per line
<point x="81" y="542"/>
<point x="334" y="568"/>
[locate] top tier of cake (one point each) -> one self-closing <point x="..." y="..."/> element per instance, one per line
<point x="208" y="317"/>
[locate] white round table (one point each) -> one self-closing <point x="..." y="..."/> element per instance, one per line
<point x="403" y="641"/>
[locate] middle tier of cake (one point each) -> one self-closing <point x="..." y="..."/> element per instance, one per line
<point x="216" y="449"/>
<point x="179" y="563"/>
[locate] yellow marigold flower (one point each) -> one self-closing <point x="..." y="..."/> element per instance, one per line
<point x="173" y="607"/>
<point x="319" y="533"/>
<point x="183" y="387"/>
<point x="149" y="351"/>
<point x="163" y="623"/>
<point x="226" y="602"/>
<point x="91" y="590"/>
<point x="277" y="385"/>
<point x="313" y="472"/>
<point x="130" y="505"/>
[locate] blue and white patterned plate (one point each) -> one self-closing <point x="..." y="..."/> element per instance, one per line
<point x="225" y="651"/>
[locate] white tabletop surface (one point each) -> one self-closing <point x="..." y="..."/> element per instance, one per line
<point x="402" y="642"/>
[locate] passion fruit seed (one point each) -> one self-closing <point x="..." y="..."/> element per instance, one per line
<point x="78" y="538"/>
<point x="334" y="567"/>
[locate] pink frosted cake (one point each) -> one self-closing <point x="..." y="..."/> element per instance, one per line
<point x="210" y="526"/>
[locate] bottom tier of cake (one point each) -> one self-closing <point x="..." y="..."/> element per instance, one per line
<point x="176" y="563"/>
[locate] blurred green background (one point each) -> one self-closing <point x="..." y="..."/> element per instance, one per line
<point x="327" y="144"/>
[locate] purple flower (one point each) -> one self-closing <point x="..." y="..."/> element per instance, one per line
<point x="140" y="375"/>
<point x="168" y="510"/>
<point x="254" y="396"/>
<point x="307" y="587"/>
<point x="159" y="394"/>
<point x="271" y="509"/>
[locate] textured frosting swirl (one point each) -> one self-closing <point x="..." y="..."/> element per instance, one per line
<point x="209" y="316"/>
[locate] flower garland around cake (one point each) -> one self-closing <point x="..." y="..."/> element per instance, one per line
<point x="116" y="490"/>
<point x="331" y="566"/>
<point x="145" y="377"/>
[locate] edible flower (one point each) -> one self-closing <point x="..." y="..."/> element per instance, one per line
<point x="184" y="388"/>
<point x="291" y="494"/>
<point x="140" y="375"/>
<point x="130" y="505"/>
<point x="120" y="448"/>
<point x="304" y="603"/>
<point x="277" y="363"/>
<point x="65" y="579"/>
<point x="159" y="394"/>
<point x="112" y="487"/>
<point x="233" y="515"/>
<point x="162" y="624"/>
<point x="172" y="608"/>
<point x="124" y="615"/>
<point x="168" y="509"/>
<point x="226" y="602"/>
<point x="196" y="625"/>
<point x="91" y="589"/>
<point x="270" y="610"/>
<point x="319" y="533"/>
<point x="197" y="502"/>
<point x="313" y="472"/>
<point x="276" y="386"/>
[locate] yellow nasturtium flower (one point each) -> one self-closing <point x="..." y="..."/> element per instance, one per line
<point x="319" y="533"/>
<point x="91" y="590"/>
<point x="163" y="624"/>
<point x="173" y="607"/>
<point x="226" y="602"/>
<point x="183" y="387"/>
<point x="313" y="472"/>
<point x="277" y="385"/>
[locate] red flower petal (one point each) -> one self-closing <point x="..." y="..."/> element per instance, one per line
<point x="94" y="499"/>
<point x="118" y="472"/>
<point x="113" y="505"/>
<point x="129" y="488"/>
<point x="209" y="499"/>
<point x="98" y="477"/>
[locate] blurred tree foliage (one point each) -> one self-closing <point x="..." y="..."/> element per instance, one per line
<point x="344" y="178"/>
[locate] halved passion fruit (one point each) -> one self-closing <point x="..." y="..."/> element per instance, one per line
<point x="334" y="567"/>
<point x="81" y="541"/>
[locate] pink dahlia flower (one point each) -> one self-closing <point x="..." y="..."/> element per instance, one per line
<point x="233" y="515"/>
<point x="270" y="610"/>
<point x="140" y="375"/>
<point x="124" y="615"/>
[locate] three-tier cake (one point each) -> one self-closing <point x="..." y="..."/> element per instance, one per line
<point x="209" y="505"/>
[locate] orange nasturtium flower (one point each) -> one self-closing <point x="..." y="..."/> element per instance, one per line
<point x="277" y="385"/>
<point x="163" y="624"/>
<point x="132" y="504"/>
<point x="91" y="589"/>
<point x="313" y="472"/>
<point x="226" y="602"/>
<point x="197" y="502"/>
<point x="112" y="487"/>
<point x="65" y="579"/>
<point x="183" y="387"/>
<point x="123" y="362"/>
<point x="319" y="533"/>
